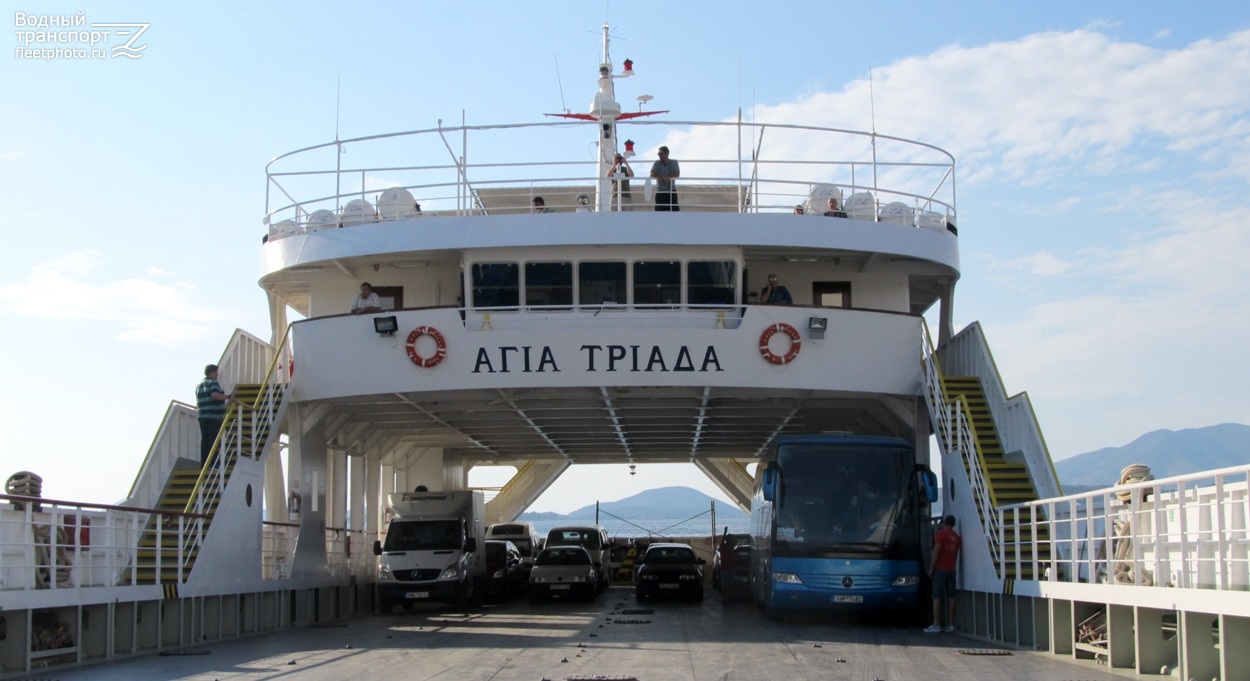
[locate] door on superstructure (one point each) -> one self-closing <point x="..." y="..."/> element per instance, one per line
<point x="832" y="293"/>
<point x="390" y="297"/>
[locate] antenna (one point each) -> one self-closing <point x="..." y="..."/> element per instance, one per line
<point x="338" y="98"/>
<point x="560" y="82"/>
<point x="872" y="102"/>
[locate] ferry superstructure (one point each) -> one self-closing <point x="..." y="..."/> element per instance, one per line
<point x="604" y="331"/>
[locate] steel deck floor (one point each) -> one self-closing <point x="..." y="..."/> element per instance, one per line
<point x="555" y="641"/>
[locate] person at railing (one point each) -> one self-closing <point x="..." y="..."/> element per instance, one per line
<point x="540" y="206"/>
<point x="210" y="403"/>
<point x="798" y="210"/>
<point x="946" y="543"/>
<point x="834" y="210"/>
<point x="665" y="171"/>
<point x="774" y="293"/>
<point x="366" y="301"/>
<point x="620" y="172"/>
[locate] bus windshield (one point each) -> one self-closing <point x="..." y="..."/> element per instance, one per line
<point x="842" y="496"/>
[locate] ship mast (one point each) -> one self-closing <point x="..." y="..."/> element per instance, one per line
<point x="606" y="110"/>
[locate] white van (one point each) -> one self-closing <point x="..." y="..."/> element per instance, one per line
<point x="524" y="535"/>
<point x="593" y="538"/>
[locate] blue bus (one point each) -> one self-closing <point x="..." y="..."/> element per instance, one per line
<point x="839" y="522"/>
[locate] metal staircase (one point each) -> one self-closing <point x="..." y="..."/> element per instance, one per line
<point x="170" y="543"/>
<point x="965" y="427"/>
<point x="1006" y="482"/>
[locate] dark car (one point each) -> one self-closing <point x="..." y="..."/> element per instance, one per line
<point x="669" y="569"/>
<point x="505" y="571"/>
<point x="724" y="563"/>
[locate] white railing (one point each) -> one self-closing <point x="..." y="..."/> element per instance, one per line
<point x="349" y="553"/>
<point x="277" y="549"/>
<point x="1190" y="531"/>
<point x="54" y="545"/>
<point x="499" y="169"/>
<point x="968" y="354"/>
<point x="956" y="439"/>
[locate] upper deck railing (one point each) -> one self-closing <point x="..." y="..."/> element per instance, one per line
<point x="498" y="169"/>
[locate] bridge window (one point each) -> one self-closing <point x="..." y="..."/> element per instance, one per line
<point x="601" y="283"/>
<point x="548" y="283"/>
<point x="711" y="283"/>
<point x="496" y="285"/>
<point x="657" y="284"/>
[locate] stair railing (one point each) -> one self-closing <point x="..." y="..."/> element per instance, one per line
<point x="259" y="418"/>
<point x="955" y="435"/>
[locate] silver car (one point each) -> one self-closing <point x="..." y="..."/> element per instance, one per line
<point x="564" y="572"/>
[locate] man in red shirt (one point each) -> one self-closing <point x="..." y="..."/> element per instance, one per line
<point x="946" y="543"/>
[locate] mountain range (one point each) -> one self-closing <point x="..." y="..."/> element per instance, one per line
<point x="1166" y="452"/>
<point x="669" y="503"/>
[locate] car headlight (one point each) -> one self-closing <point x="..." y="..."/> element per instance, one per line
<point x="498" y="574"/>
<point x="384" y="573"/>
<point x="537" y="579"/>
<point x="912" y="580"/>
<point x="786" y="578"/>
<point x="648" y="578"/>
<point x="450" y="572"/>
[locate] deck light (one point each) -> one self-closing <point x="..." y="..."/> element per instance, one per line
<point x="816" y="327"/>
<point x="385" y="326"/>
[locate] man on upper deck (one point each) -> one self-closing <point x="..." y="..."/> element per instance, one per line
<point x="665" y="171"/>
<point x="366" y="301"/>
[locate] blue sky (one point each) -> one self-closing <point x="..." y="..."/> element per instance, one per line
<point x="1102" y="150"/>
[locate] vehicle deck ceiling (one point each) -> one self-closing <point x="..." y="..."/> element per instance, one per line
<point x="604" y="425"/>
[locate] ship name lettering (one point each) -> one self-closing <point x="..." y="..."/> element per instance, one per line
<point x="637" y="358"/>
<point x="508" y="357"/>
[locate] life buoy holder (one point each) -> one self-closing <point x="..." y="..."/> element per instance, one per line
<point x="439" y="342"/>
<point x="772" y="357"/>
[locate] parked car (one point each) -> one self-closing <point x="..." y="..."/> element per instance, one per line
<point x="505" y="570"/>
<point x="724" y="561"/>
<point x="524" y="535"/>
<point x="669" y="569"/>
<point x="564" y="572"/>
<point x="594" y="539"/>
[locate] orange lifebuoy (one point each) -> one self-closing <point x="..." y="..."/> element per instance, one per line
<point x="440" y="344"/>
<point x="772" y="357"/>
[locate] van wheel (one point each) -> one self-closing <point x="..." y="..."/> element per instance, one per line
<point x="462" y="595"/>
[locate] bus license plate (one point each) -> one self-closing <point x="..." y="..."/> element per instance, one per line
<point x="848" y="599"/>
<point x="561" y="587"/>
<point x="417" y="595"/>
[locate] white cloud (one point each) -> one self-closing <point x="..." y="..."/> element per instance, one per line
<point x="1035" y="108"/>
<point x="12" y="155"/>
<point x="156" y="308"/>
<point x="1145" y="152"/>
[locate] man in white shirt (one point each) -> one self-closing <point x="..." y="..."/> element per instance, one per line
<point x="367" y="301"/>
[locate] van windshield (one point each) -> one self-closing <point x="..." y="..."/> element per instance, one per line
<point x="427" y="535"/>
